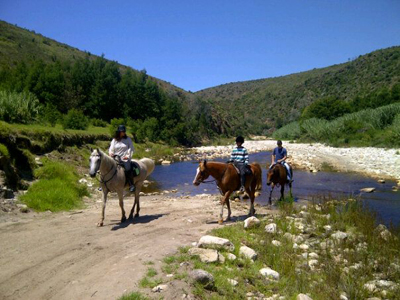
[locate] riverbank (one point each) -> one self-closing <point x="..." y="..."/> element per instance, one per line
<point x="379" y="163"/>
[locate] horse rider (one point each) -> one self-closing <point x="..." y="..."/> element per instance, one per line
<point x="240" y="158"/>
<point x="122" y="146"/>
<point x="279" y="156"/>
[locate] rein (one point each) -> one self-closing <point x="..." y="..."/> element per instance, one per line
<point x="102" y="177"/>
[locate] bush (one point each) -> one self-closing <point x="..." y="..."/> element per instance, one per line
<point x="51" y="115"/>
<point x="99" y="122"/>
<point x="114" y="123"/>
<point x="18" y="107"/>
<point x="57" y="189"/>
<point x="75" y="119"/>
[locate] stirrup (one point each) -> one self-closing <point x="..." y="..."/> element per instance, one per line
<point x="241" y="189"/>
<point x="132" y="188"/>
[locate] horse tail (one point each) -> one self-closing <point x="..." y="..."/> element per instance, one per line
<point x="150" y="165"/>
<point x="258" y="176"/>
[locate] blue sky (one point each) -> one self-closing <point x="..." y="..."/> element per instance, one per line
<point x="199" y="44"/>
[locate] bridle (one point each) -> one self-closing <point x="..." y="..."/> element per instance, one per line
<point x="102" y="180"/>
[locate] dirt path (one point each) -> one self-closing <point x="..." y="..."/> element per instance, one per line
<point x="65" y="256"/>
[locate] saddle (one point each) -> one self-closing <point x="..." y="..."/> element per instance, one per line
<point x="247" y="170"/>
<point x="135" y="168"/>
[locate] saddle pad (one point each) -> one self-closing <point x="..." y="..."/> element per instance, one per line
<point x="135" y="168"/>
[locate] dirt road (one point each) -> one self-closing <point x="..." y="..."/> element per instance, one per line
<point x="65" y="256"/>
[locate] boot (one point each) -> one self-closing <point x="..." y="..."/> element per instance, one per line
<point x="242" y="182"/>
<point x="128" y="175"/>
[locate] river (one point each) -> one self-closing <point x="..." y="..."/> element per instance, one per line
<point x="306" y="186"/>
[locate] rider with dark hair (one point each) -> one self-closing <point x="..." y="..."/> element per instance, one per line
<point x="240" y="158"/>
<point x="279" y="156"/>
<point x="122" y="146"/>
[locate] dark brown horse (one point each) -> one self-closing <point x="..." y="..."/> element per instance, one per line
<point x="228" y="181"/>
<point x="277" y="176"/>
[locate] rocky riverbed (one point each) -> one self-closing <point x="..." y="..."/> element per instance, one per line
<point x="377" y="162"/>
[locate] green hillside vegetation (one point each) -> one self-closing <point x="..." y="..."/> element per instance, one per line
<point x="261" y="106"/>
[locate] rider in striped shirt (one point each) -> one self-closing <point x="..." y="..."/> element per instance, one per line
<point x="240" y="158"/>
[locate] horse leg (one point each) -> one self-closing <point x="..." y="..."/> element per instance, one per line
<point x="250" y="192"/>
<point x="103" y="207"/>
<point x="136" y="203"/>
<point x="121" y="204"/>
<point x="282" y="192"/>
<point x="223" y="200"/>
<point x="228" y="205"/>
<point x="270" y="194"/>
<point x="290" y="190"/>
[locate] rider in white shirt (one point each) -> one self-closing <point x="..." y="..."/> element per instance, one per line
<point x="122" y="146"/>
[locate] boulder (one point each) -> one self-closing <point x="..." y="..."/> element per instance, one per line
<point x="268" y="272"/>
<point x="202" y="277"/>
<point x="367" y="190"/>
<point x="270" y="228"/>
<point x="205" y="255"/>
<point x="248" y="252"/>
<point x="251" y="222"/>
<point x="303" y="297"/>
<point x="213" y="242"/>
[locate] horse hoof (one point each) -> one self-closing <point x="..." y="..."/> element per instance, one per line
<point x="123" y="219"/>
<point x="137" y="216"/>
<point x="100" y="224"/>
<point x="228" y="219"/>
<point x="130" y="217"/>
<point x="220" y="222"/>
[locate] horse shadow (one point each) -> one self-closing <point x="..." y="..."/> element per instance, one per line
<point x="235" y="219"/>
<point x="138" y="220"/>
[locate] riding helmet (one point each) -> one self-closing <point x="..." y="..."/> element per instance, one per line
<point x="121" y="128"/>
<point x="240" y="139"/>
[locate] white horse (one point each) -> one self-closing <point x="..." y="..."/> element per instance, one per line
<point x="112" y="179"/>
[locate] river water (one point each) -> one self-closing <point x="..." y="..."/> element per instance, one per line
<point x="306" y="186"/>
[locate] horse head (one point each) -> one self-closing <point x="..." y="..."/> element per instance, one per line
<point x="272" y="174"/>
<point x="94" y="160"/>
<point x="201" y="173"/>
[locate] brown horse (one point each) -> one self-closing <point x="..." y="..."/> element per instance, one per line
<point x="228" y="181"/>
<point x="277" y="176"/>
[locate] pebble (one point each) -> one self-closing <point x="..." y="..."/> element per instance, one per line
<point x="271" y="228"/>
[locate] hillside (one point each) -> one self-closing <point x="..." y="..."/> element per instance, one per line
<point x="272" y="102"/>
<point x="19" y="44"/>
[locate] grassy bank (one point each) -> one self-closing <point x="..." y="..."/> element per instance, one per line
<point x="57" y="189"/>
<point x="333" y="250"/>
<point x="369" y="127"/>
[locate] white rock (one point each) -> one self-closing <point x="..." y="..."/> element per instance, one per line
<point x="159" y="288"/>
<point x="304" y="247"/>
<point x="248" y="252"/>
<point x="299" y="239"/>
<point x="276" y="243"/>
<point x="233" y="282"/>
<point x="328" y="227"/>
<point x="213" y="242"/>
<point x="313" y="255"/>
<point x="367" y="190"/>
<point x="303" y="297"/>
<point x="339" y="235"/>
<point x="166" y="162"/>
<point x="270" y="228"/>
<point x="205" y="255"/>
<point x="312" y="263"/>
<point x="268" y="272"/>
<point x="251" y="222"/>
<point x="289" y="236"/>
<point x="231" y="256"/>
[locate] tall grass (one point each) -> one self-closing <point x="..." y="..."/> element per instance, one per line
<point x="367" y="125"/>
<point x="57" y="189"/>
<point x="18" y="107"/>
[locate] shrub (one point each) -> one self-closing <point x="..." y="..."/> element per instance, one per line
<point x="4" y="151"/>
<point x="75" y="119"/>
<point x="99" y="122"/>
<point x="18" y="107"/>
<point x="51" y="115"/>
<point x="114" y="123"/>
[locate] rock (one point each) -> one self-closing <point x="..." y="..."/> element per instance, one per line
<point x="304" y="247"/>
<point x="83" y="181"/>
<point x="370" y="286"/>
<point x="202" y="277"/>
<point x="205" y="255"/>
<point x="339" y="235"/>
<point x="289" y="236"/>
<point x="166" y="162"/>
<point x="268" y="272"/>
<point x="221" y="258"/>
<point x="270" y="228"/>
<point x="257" y="194"/>
<point x="231" y="256"/>
<point x="383" y="232"/>
<point x="328" y="228"/>
<point x="312" y="263"/>
<point x="304" y="214"/>
<point x="299" y="239"/>
<point x="381" y="180"/>
<point x="343" y="296"/>
<point x="367" y="190"/>
<point x="142" y="194"/>
<point x="313" y="255"/>
<point x="213" y="242"/>
<point x="276" y="243"/>
<point x="233" y="282"/>
<point x="248" y="253"/>
<point x="303" y="297"/>
<point x="251" y="222"/>
<point x="159" y="288"/>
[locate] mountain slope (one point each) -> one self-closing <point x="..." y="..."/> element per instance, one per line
<point x="255" y="106"/>
<point x="19" y="44"/>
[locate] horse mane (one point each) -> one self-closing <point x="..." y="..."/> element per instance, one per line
<point x="107" y="159"/>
